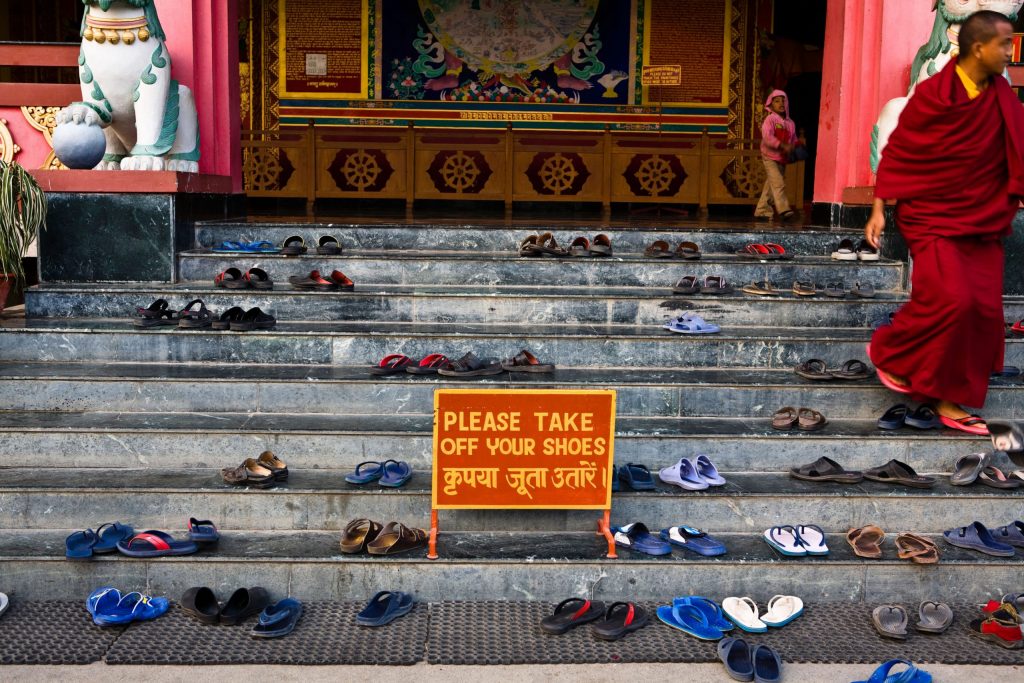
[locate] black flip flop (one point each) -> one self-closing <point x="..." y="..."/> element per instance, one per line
<point x="813" y="369"/>
<point x="687" y="285"/>
<point x="852" y="369"/>
<point x="894" y="418"/>
<point x="825" y="469"/>
<point x="571" y="613"/>
<point x="890" y="621"/>
<point x="896" y="472"/>
<point x="253" y="319"/>
<point x="294" y="246"/>
<point x="328" y="245"/>
<point x="234" y="313"/>
<point x="620" y="619"/>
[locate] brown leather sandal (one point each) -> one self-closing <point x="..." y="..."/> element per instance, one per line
<point x="688" y="250"/>
<point x="784" y="418"/>
<point x="658" y="249"/>
<point x="396" y="538"/>
<point x="359" y="533"/>
<point x="526" y="362"/>
<point x="866" y="541"/>
<point x="528" y="247"/>
<point x="249" y="473"/>
<point x="917" y="548"/>
<point x="810" y="420"/>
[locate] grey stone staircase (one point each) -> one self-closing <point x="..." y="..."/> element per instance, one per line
<point x="100" y="421"/>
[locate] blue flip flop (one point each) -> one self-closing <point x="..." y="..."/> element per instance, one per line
<point x="229" y="247"/>
<point x="261" y="247"/>
<point x="711" y="609"/>
<point x="110" y="534"/>
<point x="693" y="539"/>
<point x="883" y="674"/>
<point x="396" y="473"/>
<point x="636" y="476"/>
<point x="924" y="417"/>
<point x="79" y="545"/>
<point x="112" y="609"/>
<point x="202" y="531"/>
<point x="385" y="607"/>
<point x="365" y="473"/>
<point x="153" y="543"/>
<point x="894" y="418"/>
<point x="635" y="536"/>
<point x="278" y="620"/>
<point x="690" y="620"/>
<point x="977" y="537"/>
<point x="735" y="654"/>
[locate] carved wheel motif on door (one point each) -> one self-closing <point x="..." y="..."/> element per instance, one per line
<point x="655" y="175"/>
<point x="459" y="172"/>
<point x="361" y="170"/>
<point x="557" y="173"/>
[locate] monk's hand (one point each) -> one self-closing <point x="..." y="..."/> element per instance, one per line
<point x="875" y="226"/>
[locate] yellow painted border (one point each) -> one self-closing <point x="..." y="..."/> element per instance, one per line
<point x="282" y="60"/>
<point x="726" y="61"/>
<point x="564" y="392"/>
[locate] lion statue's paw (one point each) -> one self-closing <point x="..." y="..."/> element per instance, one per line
<point x="142" y="163"/>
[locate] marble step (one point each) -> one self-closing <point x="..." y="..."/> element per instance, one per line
<point x="541" y="565"/>
<point x="337" y="390"/>
<point x="628" y="237"/>
<point x="310" y="441"/>
<point x="485" y="305"/>
<point x="507" y="268"/>
<point x="321" y="500"/>
<point x="365" y="343"/>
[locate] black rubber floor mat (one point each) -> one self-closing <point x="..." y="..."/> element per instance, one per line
<point x="508" y="633"/>
<point x="52" y="633"/>
<point x="326" y="634"/>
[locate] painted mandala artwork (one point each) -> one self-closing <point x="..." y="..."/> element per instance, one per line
<point x="500" y="51"/>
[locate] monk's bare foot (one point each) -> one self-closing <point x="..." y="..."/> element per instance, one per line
<point x="898" y="381"/>
<point x="951" y="410"/>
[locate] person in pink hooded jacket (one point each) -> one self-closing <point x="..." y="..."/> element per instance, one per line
<point x="778" y="139"/>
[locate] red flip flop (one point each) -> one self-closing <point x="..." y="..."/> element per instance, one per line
<point x="972" y="424"/>
<point x="886" y="382"/>
<point x="392" y="364"/>
<point x="1018" y="327"/>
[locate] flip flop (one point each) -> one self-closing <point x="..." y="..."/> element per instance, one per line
<point x="711" y="609"/>
<point x="715" y="285"/>
<point x="79" y="545"/>
<point x="890" y="621"/>
<point x="1007" y="372"/>
<point x="909" y="675"/>
<point x="689" y="538"/>
<point x="636" y="476"/>
<point x="5" y="602"/>
<point x="385" y="607"/>
<point x="924" y="417"/>
<point x="886" y="382"/>
<point x="782" y="609"/>
<point x="154" y="543"/>
<point x="569" y="614"/>
<point x="933" y="617"/>
<point x="762" y="288"/>
<point x="690" y="620"/>
<point x="812" y="538"/>
<point x="229" y="247"/>
<point x="971" y="424"/>
<point x="897" y="472"/>
<point x="804" y="288"/>
<point x="784" y="418"/>
<point x="430" y="365"/>
<point x="808" y="420"/>
<point x="658" y="249"/>
<point x="826" y="469"/>
<point x="977" y="537"/>
<point x="814" y="368"/>
<point x="735" y="654"/>
<point x="866" y="541"/>
<point x="471" y="366"/>
<point x="967" y="468"/>
<point x="916" y="548"/>
<point x="686" y="285"/>
<point x="786" y="540"/>
<point x="863" y="290"/>
<point x="744" y="613"/>
<point x="202" y="531"/>
<point x="894" y="418"/>
<point x="396" y="474"/>
<point x="994" y="477"/>
<point x="262" y="247"/>
<point x="110" y="534"/>
<point x="278" y="620"/>
<point x="620" y="619"/>
<point x="636" y="537"/>
<point x="688" y="251"/>
<point x="836" y="290"/>
<point x="365" y="473"/>
<point x="392" y="364"/>
<point x="684" y="475"/>
<point x="852" y="369"/>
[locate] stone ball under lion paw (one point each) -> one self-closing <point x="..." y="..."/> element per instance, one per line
<point x="79" y="145"/>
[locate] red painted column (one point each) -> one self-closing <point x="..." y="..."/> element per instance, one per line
<point x="869" y="47"/>
<point x="202" y="37"/>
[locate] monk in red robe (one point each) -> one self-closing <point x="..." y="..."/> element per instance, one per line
<point x="955" y="166"/>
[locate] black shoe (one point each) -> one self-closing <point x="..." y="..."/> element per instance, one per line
<point x="202" y="604"/>
<point x="244" y="603"/>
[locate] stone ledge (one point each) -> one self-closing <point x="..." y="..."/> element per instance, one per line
<point x="128" y="182"/>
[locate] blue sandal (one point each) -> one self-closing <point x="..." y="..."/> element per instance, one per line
<point x="154" y="543"/>
<point x="365" y="473"/>
<point x="689" y="619"/>
<point x="113" y="609"/>
<point x="636" y="476"/>
<point x="635" y="536"/>
<point x="385" y="607"/>
<point x="110" y="534"/>
<point x="396" y="473"/>
<point x="278" y="620"/>
<point x="202" y="531"/>
<point x="79" y="545"/>
<point x="693" y="539"/>
<point x="883" y="674"/>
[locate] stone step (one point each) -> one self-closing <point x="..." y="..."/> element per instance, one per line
<point x="365" y="343"/>
<point x="311" y="441"/>
<point x="628" y="237"/>
<point x="504" y="268"/>
<point x="313" y="500"/>
<point x="475" y="305"/>
<point x="541" y="565"/>
<point x="75" y="387"/>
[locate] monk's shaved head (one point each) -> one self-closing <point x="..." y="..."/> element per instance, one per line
<point x="980" y="27"/>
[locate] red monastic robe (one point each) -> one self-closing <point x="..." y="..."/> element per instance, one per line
<point x="956" y="168"/>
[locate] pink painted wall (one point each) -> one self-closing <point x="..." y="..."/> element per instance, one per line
<point x="202" y="37"/>
<point x="869" y="47"/>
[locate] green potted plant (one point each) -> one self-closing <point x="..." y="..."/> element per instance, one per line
<point x="22" y="214"/>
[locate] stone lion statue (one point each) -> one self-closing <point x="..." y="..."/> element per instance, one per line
<point x="932" y="57"/>
<point x="149" y="120"/>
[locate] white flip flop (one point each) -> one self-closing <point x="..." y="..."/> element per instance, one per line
<point x="782" y="609"/>
<point x="813" y="539"/>
<point x="4" y="603"/>
<point x="743" y="613"/>
<point x="786" y="540"/>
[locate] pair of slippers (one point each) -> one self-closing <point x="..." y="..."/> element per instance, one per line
<point x="765" y="252"/>
<point x="817" y="369"/>
<point x="618" y="620"/>
<point x="661" y="249"/>
<point x="316" y="281"/>
<point x="202" y="603"/>
<point x="976" y="467"/>
<point x="866" y="542"/>
<point x="691" y="323"/>
<point x="109" y="607"/>
<point x="714" y="285"/>
<point x="370" y="536"/>
<point x="695" y="475"/>
<point x="847" y="252"/>
<point x="295" y="245"/>
<point x="891" y="620"/>
<point x="390" y="473"/>
<point x="746" y="662"/>
<point x="237" y="319"/>
<point x="998" y="543"/>
<point x="82" y="545"/>
<point x="804" y="419"/>
<point x="254" y="278"/>
<point x="781" y="610"/>
<point x="900" y="415"/>
<point x="260" y="473"/>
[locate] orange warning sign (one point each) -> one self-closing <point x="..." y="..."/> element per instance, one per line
<point x="549" y="449"/>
